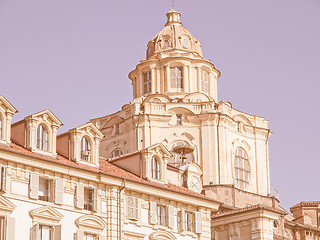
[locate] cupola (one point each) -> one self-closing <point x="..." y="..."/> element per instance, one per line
<point x="174" y="65"/>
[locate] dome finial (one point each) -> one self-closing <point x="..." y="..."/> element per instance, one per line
<point x="173" y="1"/>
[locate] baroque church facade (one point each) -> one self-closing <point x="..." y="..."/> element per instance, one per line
<point x="174" y="164"/>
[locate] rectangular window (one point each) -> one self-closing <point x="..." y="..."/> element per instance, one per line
<point x="161" y="215"/>
<point x="176" y="78"/>
<point x="45" y="190"/>
<point x="204" y="81"/>
<point x="88" y="199"/>
<point x="132" y="208"/>
<point x="46" y="232"/>
<point x="89" y="236"/>
<point x="189" y="221"/>
<point x="179" y="119"/>
<point x="146" y="82"/>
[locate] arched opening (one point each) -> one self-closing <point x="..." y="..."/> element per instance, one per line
<point x="155" y="168"/>
<point x="116" y="153"/>
<point x="42" y="137"/>
<point x="85" y="149"/>
<point x="241" y="168"/>
<point x="182" y="153"/>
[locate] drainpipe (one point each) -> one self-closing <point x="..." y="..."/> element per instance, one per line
<point x="123" y="185"/>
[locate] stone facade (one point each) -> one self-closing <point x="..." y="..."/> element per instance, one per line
<point x="174" y="164"/>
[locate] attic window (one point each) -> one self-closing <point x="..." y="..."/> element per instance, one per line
<point x="155" y="168"/>
<point x="85" y="149"/>
<point x="42" y="138"/>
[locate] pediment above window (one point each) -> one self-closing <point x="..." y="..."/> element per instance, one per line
<point x="158" y="149"/>
<point x="162" y="235"/>
<point x="6" y="207"/>
<point x="91" y="223"/>
<point x="37" y="132"/>
<point x="46" y="214"/>
<point x="82" y="144"/>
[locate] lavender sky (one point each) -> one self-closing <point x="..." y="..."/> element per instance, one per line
<point x="73" y="57"/>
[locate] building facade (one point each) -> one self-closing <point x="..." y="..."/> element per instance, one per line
<point x="174" y="164"/>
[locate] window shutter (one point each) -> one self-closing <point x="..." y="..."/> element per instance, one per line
<point x="58" y="191"/>
<point x="170" y="216"/>
<point x="130" y="208"/>
<point x="102" y="237"/>
<point x="35" y="232"/>
<point x="198" y="222"/>
<point x="3" y="179"/>
<point x="153" y="213"/>
<point x="80" y="196"/>
<point x="136" y="209"/>
<point x="57" y="232"/>
<point x="79" y="235"/>
<point x="183" y="220"/>
<point x="95" y="199"/>
<point x="10" y="227"/>
<point x="34" y="186"/>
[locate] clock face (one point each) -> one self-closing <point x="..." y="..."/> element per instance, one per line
<point x="194" y="184"/>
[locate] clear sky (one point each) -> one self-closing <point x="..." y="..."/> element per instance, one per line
<point x="73" y="57"/>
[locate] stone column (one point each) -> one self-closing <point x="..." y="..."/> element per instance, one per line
<point x="153" y="79"/>
<point x="167" y="73"/>
<point x="185" y="79"/>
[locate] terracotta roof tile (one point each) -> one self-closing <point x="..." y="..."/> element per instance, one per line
<point x="105" y="167"/>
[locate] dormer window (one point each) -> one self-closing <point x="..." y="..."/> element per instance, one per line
<point x="85" y="149"/>
<point x="146" y="82"/>
<point x="155" y="168"/>
<point x="176" y="78"/>
<point x="42" y="138"/>
<point x="204" y="81"/>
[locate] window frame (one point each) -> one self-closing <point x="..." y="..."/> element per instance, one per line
<point x="176" y="80"/>
<point x="155" y="168"/>
<point x="179" y="119"/>
<point x="132" y="208"/>
<point x="88" y="202"/>
<point x="51" y="229"/>
<point x="161" y="215"/>
<point x="48" y="197"/>
<point x="189" y="221"/>
<point x="85" y="152"/>
<point x="42" y="137"/>
<point x="242" y="168"/>
<point x="147" y="81"/>
<point x="205" y="81"/>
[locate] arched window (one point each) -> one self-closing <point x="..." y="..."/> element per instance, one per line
<point x="182" y="153"/>
<point x="85" y="149"/>
<point x="42" y="138"/>
<point x="176" y="78"/>
<point x="241" y="168"/>
<point x="116" y="153"/>
<point x="155" y="168"/>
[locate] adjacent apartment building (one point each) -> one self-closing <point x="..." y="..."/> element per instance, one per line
<point x="174" y="164"/>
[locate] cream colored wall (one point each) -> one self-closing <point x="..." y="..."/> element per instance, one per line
<point x="212" y="132"/>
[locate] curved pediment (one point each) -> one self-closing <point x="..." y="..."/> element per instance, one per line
<point x="196" y="97"/>
<point x="162" y="235"/>
<point x="91" y="221"/>
<point x="241" y="118"/>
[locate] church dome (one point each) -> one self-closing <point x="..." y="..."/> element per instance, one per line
<point x="173" y="37"/>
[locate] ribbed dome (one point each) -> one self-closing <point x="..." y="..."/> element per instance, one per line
<point x="173" y="37"/>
